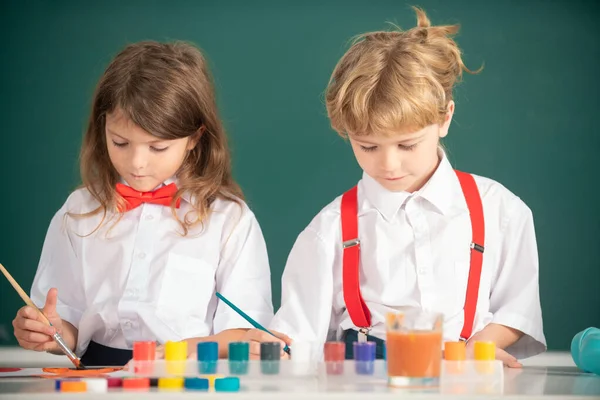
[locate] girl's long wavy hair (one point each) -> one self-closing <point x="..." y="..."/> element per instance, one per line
<point x="167" y="90"/>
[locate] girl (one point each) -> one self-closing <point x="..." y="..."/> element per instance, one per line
<point x="159" y="225"/>
<point x="412" y="233"/>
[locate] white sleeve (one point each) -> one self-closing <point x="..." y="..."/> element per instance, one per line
<point x="59" y="268"/>
<point x="243" y="275"/>
<point x="306" y="291"/>
<point x="514" y="298"/>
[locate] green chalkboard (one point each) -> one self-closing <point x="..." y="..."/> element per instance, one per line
<point x="529" y="120"/>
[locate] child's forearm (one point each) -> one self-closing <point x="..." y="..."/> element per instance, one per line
<point x="222" y="338"/>
<point x="69" y="335"/>
<point x="502" y="335"/>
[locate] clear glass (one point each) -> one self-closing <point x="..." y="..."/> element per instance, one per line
<point x="414" y="348"/>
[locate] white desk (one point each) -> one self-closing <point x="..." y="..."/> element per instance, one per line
<point x="547" y="375"/>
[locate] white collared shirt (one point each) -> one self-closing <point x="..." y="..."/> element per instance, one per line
<point x="140" y="279"/>
<point x="415" y="253"/>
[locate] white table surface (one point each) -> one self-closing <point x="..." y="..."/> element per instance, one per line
<point x="549" y="375"/>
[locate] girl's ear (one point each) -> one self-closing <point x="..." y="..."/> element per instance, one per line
<point x="195" y="138"/>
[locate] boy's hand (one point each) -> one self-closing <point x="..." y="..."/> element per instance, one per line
<point x="507" y="359"/>
<point x="501" y="355"/>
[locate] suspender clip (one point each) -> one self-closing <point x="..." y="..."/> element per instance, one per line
<point x="477" y="247"/>
<point x="351" y="243"/>
<point x="362" y="334"/>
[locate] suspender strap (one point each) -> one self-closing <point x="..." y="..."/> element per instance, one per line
<point x="471" y="193"/>
<point x="357" y="309"/>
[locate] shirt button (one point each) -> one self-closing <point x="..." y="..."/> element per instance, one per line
<point x="128" y="324"/>
<point x="422" y="271"/>
<point x="142" y="255"/>
<point x="149" y="217"/>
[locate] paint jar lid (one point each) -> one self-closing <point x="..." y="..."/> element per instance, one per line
<point x="485" y="351"/>
<point x="270" y="351"/>
<point x="208" y="351"/>
<point x="302" y="352"/>
<point x="196" y="383"/>
<point x="229" y="384"/>
<point x="176" y="351"/>
<point x="114" y="382"/>
<point x="239" y="351"/>
<point x="73" y="386"/>
<point x="58" y="382"/>
<point x="96" y="385"/>
<point x="455" y="351"/>
<point x="136" y="383"/>
<point x="170" y="383"/>
<point x="335" y="351"/>
<point x="364" y="351"/>
<point x="144" y="351"/>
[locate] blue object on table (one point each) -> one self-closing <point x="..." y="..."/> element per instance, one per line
<point x="196" y="383"/>
<point x="248" y="318"/>
<point x="208" y="355"/>
<point x="229" y="384"/>
<point x="364" y="357"/>
<point x="585" y="350"/>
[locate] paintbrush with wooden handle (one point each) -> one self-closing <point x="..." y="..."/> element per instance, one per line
<point x="57" y="338"/>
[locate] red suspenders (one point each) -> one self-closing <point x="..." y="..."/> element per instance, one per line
<point x="357" y="309"/>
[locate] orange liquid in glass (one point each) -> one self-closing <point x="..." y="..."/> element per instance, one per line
<point x="414" y="354"/>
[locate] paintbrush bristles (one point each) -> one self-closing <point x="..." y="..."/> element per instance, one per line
<point x="79" y="365"/>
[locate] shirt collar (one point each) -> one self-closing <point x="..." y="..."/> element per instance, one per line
<point x="185" y="195"/>
<point x="386" y="202"/>
<point x="439" y="190"/>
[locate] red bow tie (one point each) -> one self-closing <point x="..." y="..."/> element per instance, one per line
<point x="133" y="198"/>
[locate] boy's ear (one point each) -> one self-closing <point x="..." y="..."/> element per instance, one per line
<point x="445" y="126"/>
